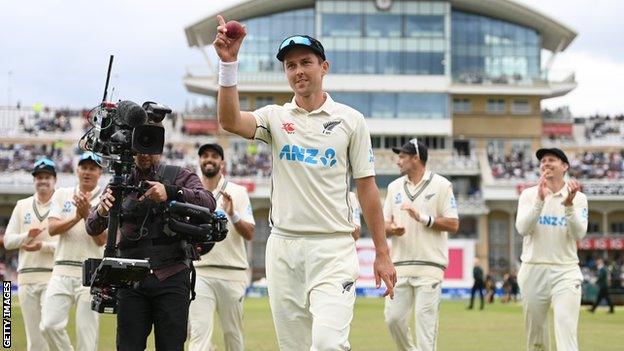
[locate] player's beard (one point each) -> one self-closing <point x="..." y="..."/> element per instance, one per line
<point x="209" y="173"/>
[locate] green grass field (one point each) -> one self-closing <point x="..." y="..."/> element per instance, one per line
<point x="498" y="327"/>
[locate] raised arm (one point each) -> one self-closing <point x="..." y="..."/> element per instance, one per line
<point x="230" y="116"/>
<point x="576" y="211"/>
<point x="529" y="210"/>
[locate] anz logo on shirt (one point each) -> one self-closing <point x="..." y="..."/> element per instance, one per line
<point x="398" y="198"/>
<point x="310" y="156"/>
<point x="453" y="202"/>
<point x="67" y="207"/>
<point x="27" y="218"/>
<point x="553" y="221"/>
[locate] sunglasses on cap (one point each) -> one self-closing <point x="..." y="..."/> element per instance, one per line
<point x="415" y="143"/>
<point x="313" y="44"/>
<point x="295" y="40"/>
<point x="44" y="162"/>
<point x="89" y="156"/>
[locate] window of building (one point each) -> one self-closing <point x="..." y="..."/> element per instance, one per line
<point x="521" y="107"/>
<point x="342" y="25"/>
<point x="593" y="227"/>
<point x="376" y="141"/>
<point x="396" y="105"/>
<point x="383" y="25"/>
<point x="488" y="50"/>
<point x="495" y="106"/>
<point x="391" y="141"/>
<point x="498" y="240"/>
<point x="617" y="228"/>
<point x="462" y="105"/>
<point x="383" y="105"/>
<point x="243" y="102"/>
<point x="262" y="101"/>
<point x="424" y="26"/>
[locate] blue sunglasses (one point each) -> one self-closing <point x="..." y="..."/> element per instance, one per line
<point x="44" y="162"/>
<point x="90" y="156"/>
<point x="297" y="39"/>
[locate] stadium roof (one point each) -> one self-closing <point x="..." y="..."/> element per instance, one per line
<point x="555" y="35"/>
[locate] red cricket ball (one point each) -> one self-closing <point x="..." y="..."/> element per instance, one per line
<point x="234" y="29"/>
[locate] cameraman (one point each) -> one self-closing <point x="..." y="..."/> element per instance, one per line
<point x="162" y="298"/>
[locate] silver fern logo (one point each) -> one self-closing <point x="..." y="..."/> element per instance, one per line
<point x="328" y="127"/>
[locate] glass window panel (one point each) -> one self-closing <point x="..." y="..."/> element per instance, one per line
<point x="505" y="52"/>
<point x="262" y="101"/>
<point x="521" y="107"/>
<point x="383" y="25"/>
<point x="359" y="101"/>
<point x="424" y="25"/>
<point x="495" y="106"/>
<point x="462" y="105"/>
<point x="342" y="25"/>
<point x="383" y="105"/>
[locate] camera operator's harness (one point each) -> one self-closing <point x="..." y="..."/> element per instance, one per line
<point x="155" y="238"/>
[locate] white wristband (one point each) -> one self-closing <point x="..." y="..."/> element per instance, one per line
<point x="228" y="73"/>
<point x="235" y="217"/>
<point x="426" y="220"/>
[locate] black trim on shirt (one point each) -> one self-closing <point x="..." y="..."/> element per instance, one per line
<point x="419" y="263"/>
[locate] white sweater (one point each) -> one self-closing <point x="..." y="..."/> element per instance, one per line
<point x="33" y="266"/>
<point x="549" y="228"/>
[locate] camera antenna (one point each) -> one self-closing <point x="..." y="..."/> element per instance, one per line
<point x="110" y="66"/>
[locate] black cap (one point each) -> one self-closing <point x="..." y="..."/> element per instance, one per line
<point x="553" y="151"/>
<point x="304" y="41"/>
<point x="214" y="147"/>
<point x="44" y="165"/>
<point x="410" y="148"/>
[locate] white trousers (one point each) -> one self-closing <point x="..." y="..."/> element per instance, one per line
<point x="62" y="293"/>
<point x="419" y="295"/>
<point x="226" y="298"/>
<point x="31" y="298"/>
<point x="545" y="285"/>
<point x="311" y="283"/>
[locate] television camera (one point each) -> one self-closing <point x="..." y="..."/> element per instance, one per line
<point x="119" y="131"/>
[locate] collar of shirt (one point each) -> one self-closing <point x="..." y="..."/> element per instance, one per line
<point x="563" y="192"/>
<point x="39" y="203"/>
<point x="424" y="178"/>
<point x="327" y="107"/>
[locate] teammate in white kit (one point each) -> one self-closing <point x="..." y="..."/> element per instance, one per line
<point x="28" y="231"/>
<point x="70" y="207"/>
<point x="552" y="216"/>
<point x="317" y="145"/>
<point x="356" y="212"/>
<point x="222" y="273"/>
<point x="420" y="211"/>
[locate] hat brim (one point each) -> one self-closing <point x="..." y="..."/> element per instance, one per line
<point x="544" y="151"/>
<point x="43" y="170"/>
<point x="398" y="150"/>
<point x="90" y="160"/>
<point x="203" y="149"/>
